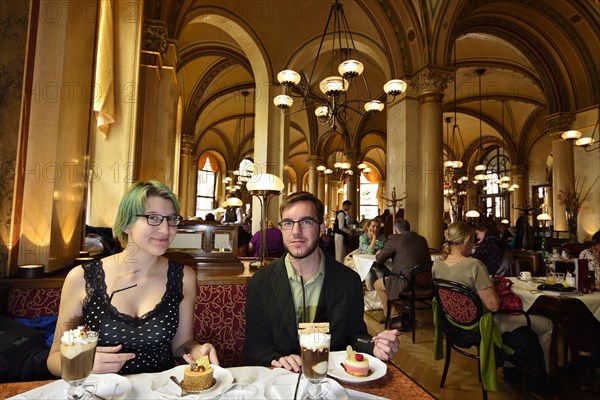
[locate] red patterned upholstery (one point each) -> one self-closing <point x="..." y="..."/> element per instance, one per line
<point x="458" y="306"/>
<point x="33" y="302"/>
<point x="220" y="319"/>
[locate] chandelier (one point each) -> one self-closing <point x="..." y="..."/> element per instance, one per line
<point x="336" y="102"/>
<point x="589" y="143"/>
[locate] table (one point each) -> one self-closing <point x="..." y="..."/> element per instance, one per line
<point x="395" y="383"/>
<point x="556" y="307"/>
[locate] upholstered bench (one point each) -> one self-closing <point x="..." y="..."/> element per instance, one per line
<point x="219" y="316"/>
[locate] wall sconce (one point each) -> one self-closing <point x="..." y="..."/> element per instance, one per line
<point x="264" y="187"/>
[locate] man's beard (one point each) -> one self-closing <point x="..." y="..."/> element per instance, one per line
<point x="299" y="256"/>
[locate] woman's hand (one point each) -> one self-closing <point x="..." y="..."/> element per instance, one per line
<point x="291" y="362"/>
<point x="206" y="349"/>
<point x="109" y="360"/>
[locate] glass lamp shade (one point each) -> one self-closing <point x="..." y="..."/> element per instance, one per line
<point x="395" y="87"/>
<point x="544" y="217"/>
<point x="505" y="222"/>
<point x="514" y="186"/>
<point x="334" y="85"/>
<point x="349" y="172"/>
<point x="288" y="77"/>
<point x="571" y="135"/>
<point x="328" y="171"/>
<point x="367" y="170"/>
<point x="480" y="167"/>
<point x="323" y="113"/>
<point x="233" y="202"/>
<point x="505" y="179"/>
<point x="283" y="101"/>
<point x="361" y="166"/>
<point x="220" y="210"/>
<point x="265" y="182"/>
<point x="504" y="185"/>
<point x="337" y="165"/>
<point x="584" y="141"/>
<point x="321" y="168"/>
<point x="480" y="177"/>
<point x="453" y="164"/>
<point x="374" y="106"/>
<point x="351" y="69"/>
<point x="472" y="214"/>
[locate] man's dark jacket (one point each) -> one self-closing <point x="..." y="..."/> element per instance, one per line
<point x="271" y="328"/>
<point x="406" y="250"/>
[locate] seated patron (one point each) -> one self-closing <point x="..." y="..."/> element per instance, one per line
<point x="592" y="254"/>
<point x="274" y="241"/>
<point x="370" y="242"/>
<point x="406" y="249"/>
<point x="149" y="320"/>
<point x="455" y="264"/>
<point x="306" y="286"/>
<point x="490" y="247"/>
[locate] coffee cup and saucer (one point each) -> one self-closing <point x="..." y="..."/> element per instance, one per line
<point x="525" y="276"/>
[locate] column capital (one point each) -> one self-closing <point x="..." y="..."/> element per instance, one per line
<point x="519" y="169"/>
<point x="352" y="155"/>
<point x="313" y="161"/>
<point x="432" y="79"/>
<point x="187" y="144"/>
<point x="559" y="122"/>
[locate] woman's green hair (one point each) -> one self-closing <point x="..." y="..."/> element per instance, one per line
<point x="134" y="203"/>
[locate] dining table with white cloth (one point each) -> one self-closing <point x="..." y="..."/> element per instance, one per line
<point x="556" y="306"/>
<point x="386" y="381"/>
<point x="364" y="262"/>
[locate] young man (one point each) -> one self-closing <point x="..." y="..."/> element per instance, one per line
<point x="305" y="286"/>
<point x="342" y="231"/>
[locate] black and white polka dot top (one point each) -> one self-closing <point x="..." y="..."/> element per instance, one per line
<point x="148" y="336"/>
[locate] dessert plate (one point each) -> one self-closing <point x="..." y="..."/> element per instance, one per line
<point x="163" y="387"/>
<point x="336" y="358"/>
<point x="108" y="386"/>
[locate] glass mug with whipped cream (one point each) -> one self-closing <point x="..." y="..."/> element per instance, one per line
<point x="314" y="352"/>
<point x="77" y="353"/>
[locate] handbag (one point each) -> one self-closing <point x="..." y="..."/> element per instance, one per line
<point x="509" y="300"/>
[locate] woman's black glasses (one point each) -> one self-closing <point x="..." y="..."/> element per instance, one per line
<point x="156" y="220"/>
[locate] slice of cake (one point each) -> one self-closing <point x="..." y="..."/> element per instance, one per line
<point x="356" y="363"/>
<point x="198" y="376"/>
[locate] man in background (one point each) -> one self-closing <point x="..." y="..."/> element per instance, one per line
<point x="342" y="231"/>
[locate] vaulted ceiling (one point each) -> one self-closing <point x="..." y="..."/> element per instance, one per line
<point x="539" y="57"/>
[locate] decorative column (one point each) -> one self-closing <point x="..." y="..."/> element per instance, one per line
<point x="313" y="162"/>
<point x="519" y="196"/>
<point x="403" y="159"/>
<point x="352" y="182"/>
<point x="187" y="145"/>
<point x="563" y="170"/>
<point x="431" y="84"/>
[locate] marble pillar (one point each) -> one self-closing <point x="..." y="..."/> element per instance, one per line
<point x="431" y="83"/>
<point x="313" y="177"/>
<point x="187" y="143"/>
<point x="563" y="178"/>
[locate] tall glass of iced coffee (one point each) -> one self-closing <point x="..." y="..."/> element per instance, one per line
<point x="314" y="347"/>
<point x="77" y="351"/>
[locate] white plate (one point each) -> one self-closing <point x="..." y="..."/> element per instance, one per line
<point x="283" y="386"/>
<point x="108" y="386"/>
<point x="336" y="358"/>
<point x="165" y="388"/>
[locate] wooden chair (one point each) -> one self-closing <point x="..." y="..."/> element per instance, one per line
<point x="460" y="307"/>
<point x="420" y="291"/>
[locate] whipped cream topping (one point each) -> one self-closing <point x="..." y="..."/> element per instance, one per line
<point x="315" y="340"/>
<point x="79" y="335"/>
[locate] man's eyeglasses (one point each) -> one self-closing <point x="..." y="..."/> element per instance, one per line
<point x="156" y="220"/>
<point x="306" y="223"/>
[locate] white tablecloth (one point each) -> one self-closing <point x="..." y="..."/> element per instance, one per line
<point x="145" y="386"/>
<point x="527" y="291"/>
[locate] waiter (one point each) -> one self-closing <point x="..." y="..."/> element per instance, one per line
<point x="342" y="231"/>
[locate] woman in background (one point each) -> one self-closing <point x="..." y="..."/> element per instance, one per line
<point x="149" y="321"/>
<point x="455" y="264"/>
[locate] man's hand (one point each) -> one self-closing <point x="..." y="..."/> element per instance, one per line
<point x="109" y="360"/>
<point x="291" y="362"/>
<point x="386" y="345"/>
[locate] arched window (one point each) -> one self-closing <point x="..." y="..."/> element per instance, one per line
<point x="205" y="190"/>
<point x="493" y="193"/>
<point x="368" y="198"/>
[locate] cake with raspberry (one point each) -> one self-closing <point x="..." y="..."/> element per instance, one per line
<point x="356" y="363"/>
<point x="198" y="376"/>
